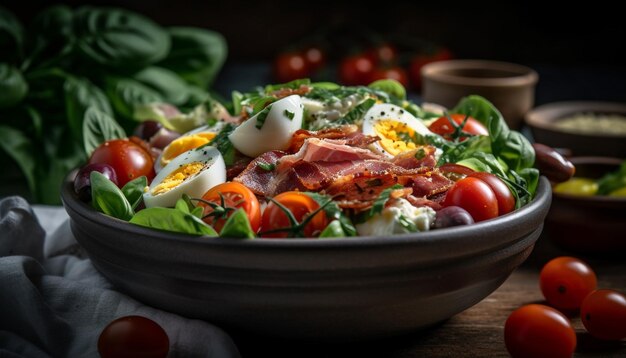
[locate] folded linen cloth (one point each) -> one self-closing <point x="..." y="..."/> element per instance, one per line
<point x="54" y="303"/>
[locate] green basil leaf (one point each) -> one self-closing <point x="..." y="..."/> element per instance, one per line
<point x="11" y="37"/>
<point x="134" y="189"/>
<point x="98" y="127"/>
<point x="325" y="85"/>
<point x="357" y="113"/>
<point x="198" y="212"/>
<point x="612" y="181"/>
<point x="81" y="94"/>
<point x="197" y="55"/>
<point x="390" y="86"/>
<point x="13" y="87"/>
<point x="381" y="200"/>
<point x="167" y="83"/>
<point x="174" y="220"/>
<point x="52" y="31"/>
<point x="107" y="198"/>
<point x="224" y="145"/>
<point x="237" y="226"/>
<point x="333" y="211"/>
<point x="126" y="94"/>
<point x="19" y="147"/>
<point x="334" y="229"/>
<point x="119" y="38"/>
<point x="516" y="151"/>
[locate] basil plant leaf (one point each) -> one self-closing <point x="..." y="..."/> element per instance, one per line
<point x="134" y="189"/>
<point x="13" y="87"/>
<point x="99" y="127"/>
<point x="107" y="198"/>
<point x="237" y="226"/>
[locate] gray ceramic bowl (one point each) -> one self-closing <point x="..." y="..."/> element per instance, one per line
<point x="335" y="289"/>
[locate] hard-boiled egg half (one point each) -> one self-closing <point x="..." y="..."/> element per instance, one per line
<point x="270" y="129"/>
<point x="396" y="128"/>
<point x="192" y="173"/>
<point x="188" y="141"/>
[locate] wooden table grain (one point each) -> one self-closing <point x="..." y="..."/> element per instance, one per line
<point x="476" y="332"/>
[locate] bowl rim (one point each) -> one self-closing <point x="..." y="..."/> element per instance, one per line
<point x="448" y="236"/>
<point x="545" y="116"/>
<point x="521" y="75"/>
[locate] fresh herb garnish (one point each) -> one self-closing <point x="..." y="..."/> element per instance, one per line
<point x="261" y="116"/>
<point x="266" y="166"/>
<point x="289" y="114"/>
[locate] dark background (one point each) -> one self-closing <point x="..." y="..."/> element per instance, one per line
<point x="577" y="50"/>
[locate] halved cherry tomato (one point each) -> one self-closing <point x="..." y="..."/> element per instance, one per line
<point x="603" y="313"/>
<point x="128" y="159"/>
<point x="566" y="281"/>
<point x="506" y="200"/>
<point x="444" y="128"/>
<point x="300" y="205"/>
<point x="234" y="195"/>
<point x="289" y="66"/>
<point x="133" y="336"/>
<point x="393" y="72"/>
<point x="356" y="70"/>
<point x="539" y="331"/>
<point x="475" y="196"/>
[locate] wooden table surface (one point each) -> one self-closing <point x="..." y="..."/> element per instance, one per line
<point x="477" y="332"/>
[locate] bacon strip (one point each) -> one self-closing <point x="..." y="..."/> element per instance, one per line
<point x="350" y="133"/>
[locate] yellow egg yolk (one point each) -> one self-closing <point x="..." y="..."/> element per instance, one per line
<point x="183" y="144"/>
<point x="396" y="137"/>
<point x="178" y="176"/>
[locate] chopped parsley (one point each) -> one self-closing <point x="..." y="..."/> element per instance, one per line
<point x="260" y="118"/>
<point x="289" y="114"/>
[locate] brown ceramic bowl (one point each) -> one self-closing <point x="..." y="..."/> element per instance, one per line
<point x="543" y="125"/>
<point x="589" y="225"/>
<point x="510" y="87"/>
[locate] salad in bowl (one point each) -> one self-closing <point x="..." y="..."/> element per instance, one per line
<point x="309" y="160"/>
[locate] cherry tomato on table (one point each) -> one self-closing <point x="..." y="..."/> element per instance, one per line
<point x="539" y="331"/>
<point x="356" y="70"/>
<point x="300" y="205"/>
<point x="128" y="159"/>
<point x="475" y="196"/>
<point x="603" y="313"/>
<point x="133" y="336"/>
<point x="566" y="281"/>
<point x="234" y="196"/>
<point x="444" y="127"/>
<point x="289" y="66"/>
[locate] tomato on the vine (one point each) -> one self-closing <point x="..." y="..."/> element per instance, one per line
<point x="445" y="128"/>
<point x="475" y="196"/>
<point x="539" y="331"/>
<point x="133" y="336"/>
<point x="289" y="66"/>
<point x="301" y="206"/>
<point x="603" y="313"/>
<point x="566" y="281"/>
<point x="504" y="196"/>
<point x="128" y="159"/>
<point x="226" y="198"/>
<point x="356" y="70"/>
<point x="392" y="72"/>
<point x="315" y="57"/>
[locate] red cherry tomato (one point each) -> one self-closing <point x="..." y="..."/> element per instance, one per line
<point x="133" y="336"/>
<point x="603" y="313"/>
<point x="384" y="53"/>
<point x="300" y="205"/>
<point x="315" y="58"/>
<point x="421" y="60"/>
<point x="506" y="200"/>
<point x="394" y="73"/>
<point x="128" y="159"/>
<point x="566" y="281"/>
<point x="235" y="196"/>
<point x="444" y="128"/>
<point x="356" y="70"/>
<point x="539" y="331"/>
<point x="290" y="66"/>
<point x="475" y="196"/>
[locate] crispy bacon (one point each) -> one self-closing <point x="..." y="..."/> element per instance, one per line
<point x="350" y="133"/>
<point x="255" y="177"/>
<point x="432" y="183"/>
<point x="423" y="156"/>
<point x="285" y="92"/>
<point x="325" y="150"/>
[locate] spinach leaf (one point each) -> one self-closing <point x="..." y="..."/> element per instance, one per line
<point x="19" y="147"/>
<point x="99" y="127"/>
<point x="118" y="38"/>
<point x="612" y="181"/>
<point x="196" y="55"/>
<point x="172" y="219"/>
<point x="333" y="211"/>
<point x="13" y="87"/>
<point x="11" y="37"/>
<point x="80" y="94"/>
<point x="237" y="226"/>
<point x="390" y="86"/>
<point x="107" y="198"/>
<point x="126" y="94"/>
<point x="133" y="190"/>
<point x="334" y="229"/>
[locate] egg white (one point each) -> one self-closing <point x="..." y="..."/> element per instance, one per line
<point x="276" y="131"/>
<point x="387" y="111"/>
<point x="213" y="173"/>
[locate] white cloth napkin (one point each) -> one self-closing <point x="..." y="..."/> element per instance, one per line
<point x="53" y="302"/>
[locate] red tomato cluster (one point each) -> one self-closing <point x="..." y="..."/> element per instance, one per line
<point x="568" y="284"/>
